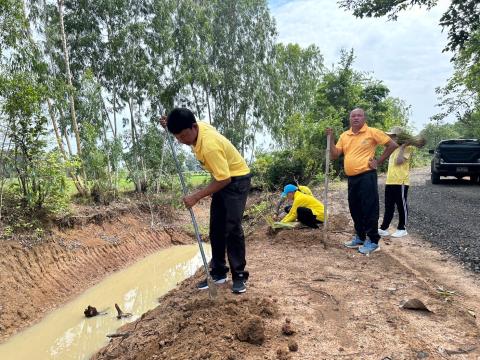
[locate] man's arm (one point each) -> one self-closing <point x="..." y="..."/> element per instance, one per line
<point x="389" y="148"/>
<point x="334" y="151"/>
<point x="213" y="187"/>
<point x="401" y="155"/>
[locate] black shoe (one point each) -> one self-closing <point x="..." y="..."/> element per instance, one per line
<point x="238" y="286"/>
<point x="217" y="279"/>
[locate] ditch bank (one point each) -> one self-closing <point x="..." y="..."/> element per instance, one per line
<point x="36" y="279"/>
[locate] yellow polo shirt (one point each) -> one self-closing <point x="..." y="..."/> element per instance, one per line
<point x="305" y="189"/>
<point x="217" y="154"/>
<point x="307" y="201"/>
<point x="359" y="148"/>
<point x="399" y="174"/>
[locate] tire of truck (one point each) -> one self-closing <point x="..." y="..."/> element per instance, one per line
<point x="435" y="177"/>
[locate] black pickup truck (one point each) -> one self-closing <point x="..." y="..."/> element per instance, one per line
<point x="456" y="157"/>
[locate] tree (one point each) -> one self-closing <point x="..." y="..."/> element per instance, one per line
<point x="293" y="76"/>
<point x="462" y="18"/>
<point x="435" y="132"/>
<point x="461" y="95"/>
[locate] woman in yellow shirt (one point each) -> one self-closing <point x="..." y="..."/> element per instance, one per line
<point x="396" y="186"/>
<point x="305" y="208"/>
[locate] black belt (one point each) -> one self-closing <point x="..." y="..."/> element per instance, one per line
<point x="242" y="177"/>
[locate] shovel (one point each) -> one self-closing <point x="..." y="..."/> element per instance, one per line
<point x="212" y="287"/>
<point x="327" y="167"/>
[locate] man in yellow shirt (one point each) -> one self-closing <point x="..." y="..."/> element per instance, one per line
<point x="396" y="186"/>
<point x="358" y="145"/>
<point x="305" y="208"/>
<point x="229" y="190"/>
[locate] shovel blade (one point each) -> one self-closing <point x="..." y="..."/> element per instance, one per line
<point x="212" y="288"/>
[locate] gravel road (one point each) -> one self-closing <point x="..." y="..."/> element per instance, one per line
<point x="447" y="215"/>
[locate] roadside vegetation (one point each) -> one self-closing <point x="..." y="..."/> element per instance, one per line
<point x="82" y="86"/>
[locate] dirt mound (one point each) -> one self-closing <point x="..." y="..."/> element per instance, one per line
<point x="252" y="331"/>
<point x="188" y="325"/>
<point x="34" y="280"/>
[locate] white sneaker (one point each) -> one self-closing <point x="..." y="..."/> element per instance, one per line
<point x="383" y="232"/>
<point x="400" y="233"/>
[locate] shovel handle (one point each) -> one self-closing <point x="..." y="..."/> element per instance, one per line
<point x="192" y="215"/>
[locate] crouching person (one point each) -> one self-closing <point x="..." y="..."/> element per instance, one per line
<point x="305" y="208"/>
<point x="302" y="188"/>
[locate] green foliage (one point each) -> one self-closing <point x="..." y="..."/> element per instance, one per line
<point x="434" y="133"/>
<point x="293" y="76"/>
<point x="51" y="178"/>
<point x="461" y="96"/>
<point x="274" y="170"/>
<point x="257" y="209"/>
<point x="461" y="18"/>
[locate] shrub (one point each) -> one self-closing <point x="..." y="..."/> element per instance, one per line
<point x="274" y="170"/>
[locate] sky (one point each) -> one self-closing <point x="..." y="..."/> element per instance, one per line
<point x="405" y="54"/>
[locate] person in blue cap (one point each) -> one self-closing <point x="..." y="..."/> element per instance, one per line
<point x="305" y="208"/>
<point x="302" y="188"/>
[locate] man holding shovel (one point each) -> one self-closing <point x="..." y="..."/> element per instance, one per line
<point x="229" y="190"/>
<point x="358" y="144"/>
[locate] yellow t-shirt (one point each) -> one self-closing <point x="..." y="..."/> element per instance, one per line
<point x="217" y="154"/>
<point x="307" y="201"/>
<point x="359" y="148"/>
<point x="399" y="174"/>
<point x="305" y="189"/>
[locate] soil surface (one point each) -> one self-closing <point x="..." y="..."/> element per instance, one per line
<point x="309" y="297"/>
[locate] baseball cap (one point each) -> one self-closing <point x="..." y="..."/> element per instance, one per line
<point x="396" y="130"/>
<point x="288" y="189"/>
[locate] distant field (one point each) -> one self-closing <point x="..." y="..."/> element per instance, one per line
<point x="197" y="179"/>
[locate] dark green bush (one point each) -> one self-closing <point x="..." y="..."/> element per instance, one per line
<point x="274" y="170"/>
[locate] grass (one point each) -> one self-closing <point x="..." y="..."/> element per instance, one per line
<point x="197" y="179"/>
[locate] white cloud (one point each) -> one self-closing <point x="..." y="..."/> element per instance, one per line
<point x="405" y="54"/>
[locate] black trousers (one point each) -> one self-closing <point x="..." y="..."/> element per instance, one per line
<point x="395" y="195"/>
<point x="306" y="217"/>
<point x="364" y="205"/>
<point x="226" y="233"/>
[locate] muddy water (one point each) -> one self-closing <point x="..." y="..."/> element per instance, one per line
<point x="66" y="334"/>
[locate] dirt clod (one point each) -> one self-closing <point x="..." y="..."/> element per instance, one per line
<point x="283" y="354"/>
<point x="252" y="330"/>
<point x="287" y="329"/>
<point x="292" y="345"/>
<point x="90" y="311"/>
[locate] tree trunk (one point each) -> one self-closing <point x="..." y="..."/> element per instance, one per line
<point x="78" y="183"/>
<point x="2" y="175"/>
<point x="55" y="128"/>
<point x="208" y="106"/>
<point x="68" y="74"/>
<point x="115" y="112"/>
<point x="137" y="180"/>
<point x="67" y="139"/>
<point x="195" y="97"/>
